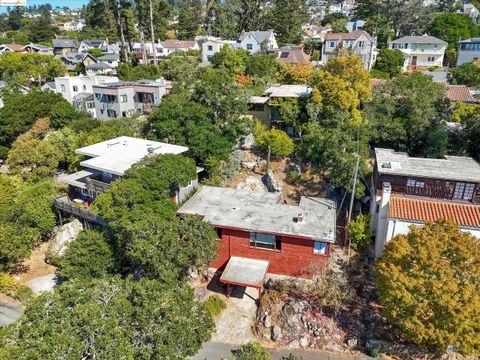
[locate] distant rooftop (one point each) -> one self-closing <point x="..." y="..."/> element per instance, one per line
<point x="459" y="168"/>
<point x="261" y="212"/>
<point x="117" y="155"/>
<point x="64" y="43"/>
<point x="472" y="40"/>
<point x="295" y="91"/>
<point x="424" y="39"/>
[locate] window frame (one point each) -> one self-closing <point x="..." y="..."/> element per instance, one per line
<point x="317" y="252"/>
<point x="277" y="242"/>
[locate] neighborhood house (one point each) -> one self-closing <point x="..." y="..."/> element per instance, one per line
<point x="256" y="226"/>
<point x="411" y="191"/>
<point x="108" y="160"/>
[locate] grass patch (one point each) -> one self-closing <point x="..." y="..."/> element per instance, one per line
<point x="214" y="305"/>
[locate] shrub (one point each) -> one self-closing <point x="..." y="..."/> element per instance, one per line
<point x="359" y="231"/>
<point x="3" y="152"/>
<point x="8" y="284"/>
<point x="214" y="305"/>
<point x="251" y="351"/>
<point x="293" y="177"/>
<point x="24" y="294"/>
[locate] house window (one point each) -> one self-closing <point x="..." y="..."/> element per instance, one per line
<point x="431" y="59"/>
<point x="90" y="105"/>
<point x="123" y="98"/>
<point x="62" y="87"/>
<point x="332" y="44"/>
<point x="84" y="87"/>
<point x="219" y="233"/>
<point x="361" y="44"/>
<point x="111" y="113"/>
<point x="320" y="248"/>
<point x="210" y="48"/>
<point x="415" y="183"/>
<point x="75" y="88"/>
<point x="464" y="191"/>
<point x="265" y="241"/>
<point x="249" y="46"/>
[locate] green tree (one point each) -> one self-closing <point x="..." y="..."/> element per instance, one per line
<point x="251" y="351"/>
<point x="162" y="13"/>
<point x="232" y="61"/>
<point x="404" y="111"/>
<point x="189" y="19"/>
<point x="428" y="285"/>
<point x="467" y="74"/>
<point x="141" y="319"/>
<point x="16" y="242"/>
<point x="390" y="61"/>
<point x="287" y="18"/>
<point x="89" y="256"/>
<point x="25" y="68"/>
<point x="129" y="72"/>
<point x="359" y="231"/>
<point x="274" y="140"/>
<point x="21" y="111"/>
<point x="452" y="27"/>
<point x="339" y="26"/>
<point x="42" y="28"/>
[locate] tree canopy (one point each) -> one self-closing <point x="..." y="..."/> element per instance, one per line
<point x="110" y="318"/>
<point x="428" y="282"/>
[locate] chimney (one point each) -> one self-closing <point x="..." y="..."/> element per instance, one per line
<point x="382" y="220"/>
<point x="300" y="218"/>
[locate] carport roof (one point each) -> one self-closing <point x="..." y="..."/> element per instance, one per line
<point x="244" y="271"/>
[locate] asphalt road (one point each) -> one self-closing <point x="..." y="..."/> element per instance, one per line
<point x="8" y="313"/>
<point x="218" y="351"/>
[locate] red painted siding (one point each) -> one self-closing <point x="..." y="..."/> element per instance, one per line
<point x="295" y="258"/>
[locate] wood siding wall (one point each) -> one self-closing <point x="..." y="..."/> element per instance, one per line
<point x="295" y="259"/>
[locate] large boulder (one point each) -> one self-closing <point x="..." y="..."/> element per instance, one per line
<point x="273" y="184"/>
<point x="64" y="235"/>
<point x="276" y="333"/>
<point x="43" y="283"/>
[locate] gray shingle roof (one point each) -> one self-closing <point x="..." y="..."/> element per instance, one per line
<point x="425" y="39"/>
<point x="459" y="168"/>
<point x="64" y="43"/>
<point x="260" y="36"/>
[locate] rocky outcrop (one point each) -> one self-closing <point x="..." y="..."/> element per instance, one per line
<point x="273" y="184"/>
<point x="64" y="235"/>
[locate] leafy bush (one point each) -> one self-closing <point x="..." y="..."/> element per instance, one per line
<point x="8" y="284"/>
<point x="24" y="294"/>
<point x="359" y="231"/>
<point x="251" y="351"/>
<point x="214" y="305"/>
<point x="3" y="152"/>
<point x="293" y="177"/>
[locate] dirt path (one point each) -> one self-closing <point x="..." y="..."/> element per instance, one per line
<point x="35" y="266"/>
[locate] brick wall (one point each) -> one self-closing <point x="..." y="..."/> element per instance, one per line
<point x="294" y="259"/>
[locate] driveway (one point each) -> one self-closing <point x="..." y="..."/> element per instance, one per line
<point x="234" y="325"/>
<point x="217" y="351"/>
<point x="9" y="313"/>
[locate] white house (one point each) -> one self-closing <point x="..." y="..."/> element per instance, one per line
<point x="420" y="51"/>
<point x="110" y="159"/>
<point x="10" y="48"/>
<point x="471" y="11"/>
<point x="167" y="47"/>
<point x="71" y="86"/>
<point x="112" y="60"/>
<point x="468" y="51"/>
<point x="125" y="98"/>
<point x="411" y="191"/>
<point x="255" y="41"/>
<point x="86" y="45"/>
<point x="359" y="42"/>
<point x="212" y="45"/>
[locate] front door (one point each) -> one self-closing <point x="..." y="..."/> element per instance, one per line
<point x="414" y="61"/>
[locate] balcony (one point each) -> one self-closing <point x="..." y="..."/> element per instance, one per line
<point x="64" y="204"/>
<point x="96" y="185"/>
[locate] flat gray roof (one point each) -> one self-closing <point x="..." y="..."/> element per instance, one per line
<point x="258" y="99"/>
<point x="459" y="168"/>
<point x="261" y="212"/>
<point x="295" y="91"/>
<point x="244" y="271"/>
<point x="117" y="155"/>
<point x="78" y="179"/>
<point x="423" y="39"/>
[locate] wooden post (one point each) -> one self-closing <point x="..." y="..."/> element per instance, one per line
<point x="60" y="217"/>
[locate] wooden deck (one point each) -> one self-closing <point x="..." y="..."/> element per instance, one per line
<point x="64" y="204"/>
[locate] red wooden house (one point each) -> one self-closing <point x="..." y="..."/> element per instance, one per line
<point x="256" y="226"/>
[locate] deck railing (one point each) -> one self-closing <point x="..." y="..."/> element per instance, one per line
<point x="64" y="204"/>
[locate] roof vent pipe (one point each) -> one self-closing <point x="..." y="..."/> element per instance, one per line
<point x="299" y="218"/>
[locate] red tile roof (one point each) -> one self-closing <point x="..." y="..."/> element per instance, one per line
<point x="353" y="35"/>
<point x="422" y="210"/>
<point x="460" y="93"/>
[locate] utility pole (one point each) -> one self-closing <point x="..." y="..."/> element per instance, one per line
<point x="154" y="47"/>
<point x="351" y="205"/>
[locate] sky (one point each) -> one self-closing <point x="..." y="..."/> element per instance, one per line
<point x="73" y="4"/>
